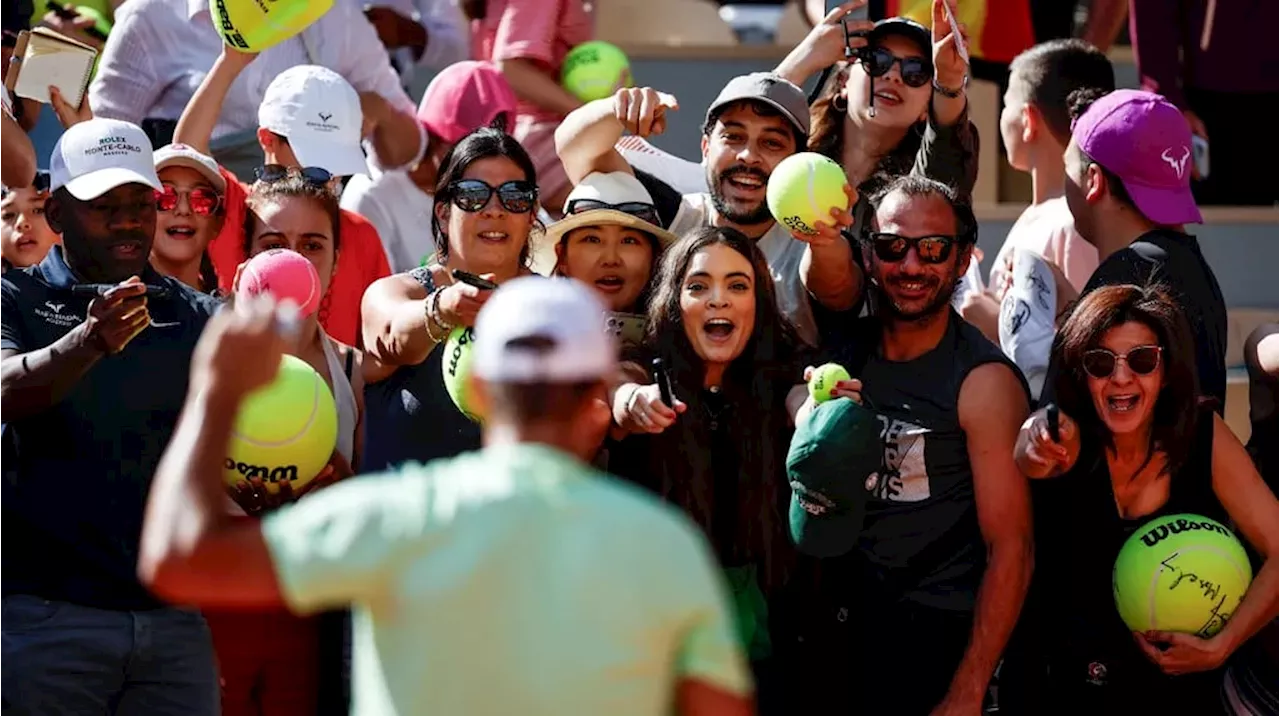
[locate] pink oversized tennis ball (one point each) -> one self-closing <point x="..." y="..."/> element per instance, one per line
<point x="283" y="274"/>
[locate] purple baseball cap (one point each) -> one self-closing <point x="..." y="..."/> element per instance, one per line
<point x="1146" y="142"/>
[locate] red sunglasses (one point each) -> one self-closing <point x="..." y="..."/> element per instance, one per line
<point x="203" y="202"/>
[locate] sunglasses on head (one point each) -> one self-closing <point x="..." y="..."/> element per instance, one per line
<point x="892" y="248"/>
<point x="472" y="195"/>
<point x="1101" y="363"/>
<point x="638" y="209"/>
<point x="203" y="202"/>
<point x="877" y="61"/>
<point x="269" y="173"/>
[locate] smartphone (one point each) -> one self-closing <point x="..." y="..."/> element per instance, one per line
<point x="663" y="379"/>
<point x="100" y="289"/>
<point x="1052" y="414"/>
<point x="628" y="328"/>
<point x="962" y="47"/>
<point x="473" y="280"/>
<point x="1200" y="150"/>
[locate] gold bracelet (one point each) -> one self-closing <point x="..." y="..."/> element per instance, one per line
<point x="428" y="318"/>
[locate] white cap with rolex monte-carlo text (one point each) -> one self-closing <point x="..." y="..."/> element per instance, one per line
<point x="98" y="155"/>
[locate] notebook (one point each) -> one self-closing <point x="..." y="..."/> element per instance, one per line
<point x="42" y="58"/>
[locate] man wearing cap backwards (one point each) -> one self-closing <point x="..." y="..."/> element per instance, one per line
<point x="1128" y="187"/>
<point x="508" y="580"/>
<point x="464" y="97"/>
<point x="94" y="361"/>
<point x="934" y="521"/>
<point x="757" y="121"/>
<point x="310" y="120"/>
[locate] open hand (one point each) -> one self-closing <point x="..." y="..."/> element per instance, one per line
<point x="258" y="327"/>
<point x="643" y="110"/>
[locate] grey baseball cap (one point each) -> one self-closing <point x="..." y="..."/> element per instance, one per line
<point x="771" y="89"/>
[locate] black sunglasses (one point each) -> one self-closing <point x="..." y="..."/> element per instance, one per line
<point x="472" y="195"/>
<point x="1101" y="363"/>
<point x="41" y="181"/>
<point x="892" y="248"/>
<point x="916" y="71"/>
<point x="638" y="209"/>
<point x="269" y="173"/>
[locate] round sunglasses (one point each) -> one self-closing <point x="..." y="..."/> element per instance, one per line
<point x="892" y="248"/>
<point x="472" y="195"/>
<point x="1142" y="360"/>
<point x="916" y="71"/>
<point x="203" y="202"/>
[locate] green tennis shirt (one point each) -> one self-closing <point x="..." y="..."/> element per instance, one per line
<point x="511" y="580"/>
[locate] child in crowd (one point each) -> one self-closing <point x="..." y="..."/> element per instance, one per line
<point x="25" y="237"/>
<point x="1035" y="129"/>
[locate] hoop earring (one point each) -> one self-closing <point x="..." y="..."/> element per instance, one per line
<point x="840" y="103"/>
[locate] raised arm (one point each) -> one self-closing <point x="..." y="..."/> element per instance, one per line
<point x="402" y="322"/>
<point x="585" y="140"/>
<point x="19" y="154"/>
<point x="992" y="405"/>
<point x="1037" y="454"/>
<point x="200" y="116"/>
<point x="825" y="44"/>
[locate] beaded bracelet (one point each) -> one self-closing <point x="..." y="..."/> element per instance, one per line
<point x="429" y="306"/>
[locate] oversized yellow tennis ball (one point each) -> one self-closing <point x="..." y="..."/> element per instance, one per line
<point x="804" y="188"/>
<point x="1180" y="573"/>
<point x="254" y="25"/>
<point x="285" y="431"/>
<point x="456" y="367"/>
<point x="823" y="379"/>
<point x="594" y="70"/>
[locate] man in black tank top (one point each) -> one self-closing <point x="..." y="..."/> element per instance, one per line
<point x="933" y="588"/>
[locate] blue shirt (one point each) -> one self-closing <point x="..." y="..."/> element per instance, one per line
<point x="76" y="476"/>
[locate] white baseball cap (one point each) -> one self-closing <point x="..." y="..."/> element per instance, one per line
<point x="94" y="157"/>
<point x="180" y="155"/>
<point x="319" y="113"/>
<point x="562" y="311"/>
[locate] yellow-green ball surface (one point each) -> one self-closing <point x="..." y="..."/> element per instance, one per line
<point x="253" y="25"/>
<point x="824" y="379"/>
<point x="1180" y="573"/>
<point x="595" y="70"/>
<point x="285" y="431"/>
<point x="803" y="189"/>
<point x="455" y="365"/>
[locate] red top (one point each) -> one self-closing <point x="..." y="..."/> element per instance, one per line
<point x="361" y="261"/>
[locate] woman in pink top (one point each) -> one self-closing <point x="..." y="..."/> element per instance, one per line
<point x="528" y="40"/>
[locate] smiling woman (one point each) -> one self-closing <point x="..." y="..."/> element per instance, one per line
<point x="189" y="214"/>
<point x="719" y="453"/>
<point x="1133" y="443"/>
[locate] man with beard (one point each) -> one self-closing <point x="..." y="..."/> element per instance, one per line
<point x="757" y="121"/>
<point x="935" y="574"/>
<point x="95" y="355"/>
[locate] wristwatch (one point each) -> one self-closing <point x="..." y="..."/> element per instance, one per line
<point x="948" y="92"/>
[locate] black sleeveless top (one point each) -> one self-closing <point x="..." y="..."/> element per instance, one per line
<point x="410" y="416"/>
<point x="1094" y="662"/>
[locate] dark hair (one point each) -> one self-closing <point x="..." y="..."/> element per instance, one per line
<point x="292" y="185"/>
<point x="754" y="386"/>
<point x="1175" y="414"/>
<point x="483" y="143"/>
<point x="1052" y="71"/>
<point x="914" y="185"/>
<point x="1079" y="101"/>
<point x="758" y="108"/>
<point x="526" y="403"/>
<point x="474" y="9"/>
